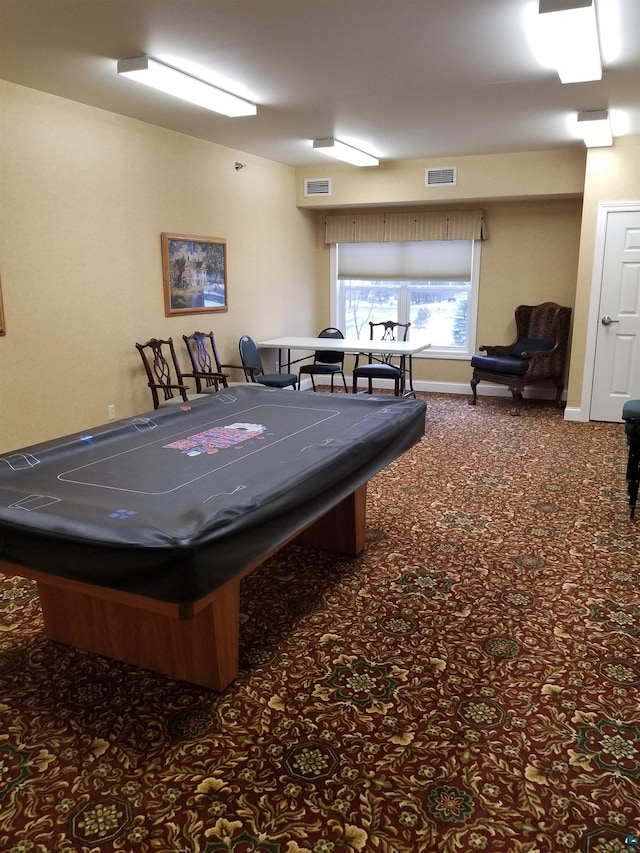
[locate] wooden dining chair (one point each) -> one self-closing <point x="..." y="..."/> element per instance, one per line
<point x="164" y="375"/>
<point x="205" y="362"/>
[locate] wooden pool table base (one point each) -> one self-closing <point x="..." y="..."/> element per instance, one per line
<point x="197" y="642"/>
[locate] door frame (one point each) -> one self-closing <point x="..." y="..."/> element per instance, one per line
<point x="604" y="209"/>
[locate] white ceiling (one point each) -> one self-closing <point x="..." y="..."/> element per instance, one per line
<point x="402" y="78"/>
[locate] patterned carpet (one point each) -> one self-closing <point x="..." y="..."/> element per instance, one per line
<point x="470" y="683"/>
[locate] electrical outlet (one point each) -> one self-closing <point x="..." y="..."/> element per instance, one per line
<point x="111" y="412"/>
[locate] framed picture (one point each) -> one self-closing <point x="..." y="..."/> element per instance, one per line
<point x="194" y="270"/>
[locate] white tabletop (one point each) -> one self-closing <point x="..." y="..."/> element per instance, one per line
<point x="345" y="345"/>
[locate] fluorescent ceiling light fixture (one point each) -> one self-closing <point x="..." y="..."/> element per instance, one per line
<point x="166" y="79"/>
<point x="595" y="128"/>
<point x="571" y="33"/>
<point x="346" y="153"/>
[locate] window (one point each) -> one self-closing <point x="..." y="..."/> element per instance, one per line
<point x="432" y="284"/>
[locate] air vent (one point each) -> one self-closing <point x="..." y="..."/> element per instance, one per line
<point x="444" y="176"/>
<point x="317" y="186"/>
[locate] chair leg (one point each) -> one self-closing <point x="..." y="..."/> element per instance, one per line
<point x="634" y="485"/>
<point x="474" y="385"/>
<point x="559" y="389"/>
<point x="633" y="473"/>
<point x="344" y="382"/>
<point x="516" y="394"/>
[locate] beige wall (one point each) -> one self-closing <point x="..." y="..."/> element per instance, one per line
<point x="541" y="210"/>
<point x="530" y="256"/>
<point x="533" y="205"/>
<point x="528" y="174"/>
<point x="85" y="195"/>
<point x="613" y="175"/>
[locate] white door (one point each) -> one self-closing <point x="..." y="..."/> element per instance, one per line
<point x="616" y="376"/>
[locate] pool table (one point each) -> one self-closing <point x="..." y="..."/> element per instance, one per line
<point x="139" y="532"/>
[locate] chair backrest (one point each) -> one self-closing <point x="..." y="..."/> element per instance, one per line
<point x="546" y="322"/>
<point x="250" y="358"/>
<point x="203" y="354"/>
<point x="330" y="356"/>
<point x="387" y="330"/>
<point x="162" y="368"/>
<point x="390" y="331"/>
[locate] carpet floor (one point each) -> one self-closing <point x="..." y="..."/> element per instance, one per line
<point x="471" y="682"/>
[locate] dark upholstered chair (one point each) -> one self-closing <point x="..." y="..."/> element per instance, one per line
<point x="205" y="362"/>
<point x="164" y="376"/>
<point x="631" y="418"/>
<point x="254" y="371"/>
<point x="379" y="365"/>
<point x="537" y="355"/>
<point x="326" y="362"/>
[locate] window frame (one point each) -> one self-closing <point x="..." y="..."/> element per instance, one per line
<point x="458" y="353"/>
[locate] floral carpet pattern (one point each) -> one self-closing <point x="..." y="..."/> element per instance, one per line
<point x="471" y="682"/>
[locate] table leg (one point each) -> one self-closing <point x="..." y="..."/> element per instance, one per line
<point x="202" y="650"/>
<point x="408" y="373"/>
<point x="280" y="362"/>
<point x="342" y="529"/>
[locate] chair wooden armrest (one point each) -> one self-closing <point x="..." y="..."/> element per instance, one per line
<point x="249" y="372"/>
<point x="207" y="380"/>
<point x="497" y="350"/>
<point x="162" y="386"/>
<point x="219" y="377"/>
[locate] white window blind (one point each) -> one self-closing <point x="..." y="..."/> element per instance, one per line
<point x="407" y="261"/>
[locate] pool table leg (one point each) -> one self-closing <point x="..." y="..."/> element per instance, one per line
<point x="203" y="649"/>
<point x="342" y="529"/>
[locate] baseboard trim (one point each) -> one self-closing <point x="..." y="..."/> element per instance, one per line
<point x="532" y="393"/>
<point x="571" y="413"/>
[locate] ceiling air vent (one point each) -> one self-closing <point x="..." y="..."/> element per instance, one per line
<point x="317" y="186"/>
<point x="444" y="176"/>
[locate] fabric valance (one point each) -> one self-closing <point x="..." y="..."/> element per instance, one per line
<point x="399" y="227"/>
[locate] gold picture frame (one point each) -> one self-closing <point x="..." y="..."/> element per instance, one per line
<point x="194" y="271"/>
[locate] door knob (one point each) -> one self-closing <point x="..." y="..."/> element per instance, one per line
<point x="607" y="321"/>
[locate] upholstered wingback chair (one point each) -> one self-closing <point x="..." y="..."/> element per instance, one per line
<point x="537" y="355"/>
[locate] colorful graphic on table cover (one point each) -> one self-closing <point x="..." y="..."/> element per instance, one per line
<point x="218" y="438"/>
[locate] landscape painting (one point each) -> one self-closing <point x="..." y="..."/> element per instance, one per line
<point x="195" y="274"/>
